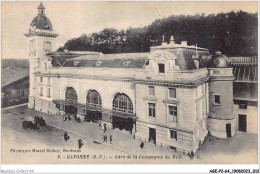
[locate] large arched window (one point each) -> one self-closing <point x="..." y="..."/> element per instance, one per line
<point x="93" y="98"/>
<point x="122" y="102"/>
<point x="71" y="95"/>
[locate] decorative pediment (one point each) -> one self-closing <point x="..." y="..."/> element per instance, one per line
<point x="161" y="56"/>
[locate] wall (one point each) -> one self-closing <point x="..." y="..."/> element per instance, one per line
<point x="46" y="107"/>
<point x="225" y="90"/>
<point x="190" y="130"/>
<point x="106" y="89"/>
<point x="251" y="117"/>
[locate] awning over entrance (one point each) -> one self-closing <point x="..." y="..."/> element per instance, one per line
<point x="68" y="103"/>
<point x="95" y="108"/>
<point x="122" y="114"/>
<point x="92" y="108"/>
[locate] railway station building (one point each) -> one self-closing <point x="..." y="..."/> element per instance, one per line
<point x="172" y="96"/>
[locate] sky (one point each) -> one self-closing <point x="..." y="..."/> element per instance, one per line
<point x="71" y="19"/>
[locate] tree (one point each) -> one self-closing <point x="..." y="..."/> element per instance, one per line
<point x="233" y="33"/>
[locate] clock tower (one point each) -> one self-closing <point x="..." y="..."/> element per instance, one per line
<point x="40" y="42"/>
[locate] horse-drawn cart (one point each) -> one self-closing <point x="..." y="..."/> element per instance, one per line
<point x="38" y="122"/>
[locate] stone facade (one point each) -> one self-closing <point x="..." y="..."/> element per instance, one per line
<point x="167" y="100"/>
<point x="190" y="125"/>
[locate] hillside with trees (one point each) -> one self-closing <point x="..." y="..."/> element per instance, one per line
<point x="233" y="33"/>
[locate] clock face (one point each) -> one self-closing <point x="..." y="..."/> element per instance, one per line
<point x="45" y="25"/>
<point x="47" y="47"/>
<point x="216" y="61"/>
<point x="32" y="48"/>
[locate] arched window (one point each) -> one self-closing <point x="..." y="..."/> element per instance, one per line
<point x="93" y="98"/>
<point x="122" y="102"/>
<point x="71" y="95"/>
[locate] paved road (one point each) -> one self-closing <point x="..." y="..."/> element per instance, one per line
<point x="17" y="138"/>
<point x="122" y="140"/>
<point x="240" y="149"/>
<point x="74" y="133"/>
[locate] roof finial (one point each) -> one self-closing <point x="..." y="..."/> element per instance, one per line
<point x="41" y="9"/>
<point x="41" y="6"/>
<point x="163" y="42"/>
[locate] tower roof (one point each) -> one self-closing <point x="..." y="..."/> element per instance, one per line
<point x="219" y="61"/>
<point x="41" y="21"/>
<point x="41" y="6"/>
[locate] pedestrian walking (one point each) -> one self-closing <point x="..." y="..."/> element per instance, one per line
<point x="64" y="117"/>
<point x="110" y="137"/>
<point x="80" y="143"/>
<point x="142" y="144"/>
<point x="66" y="137"/>
<point x="69" y="117"/>
<point x="105" y="127"/>
<point x="104" y="137"/>
<point x="189" y="155"/>
<point x="192" y="154"/>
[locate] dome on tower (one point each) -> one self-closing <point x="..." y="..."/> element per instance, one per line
<point x="41" y="21"/>
<point x="219" y="61"/>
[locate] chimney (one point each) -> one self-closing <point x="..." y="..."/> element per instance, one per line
<point x="184" y="43"/>
<point x="172" y="41"/>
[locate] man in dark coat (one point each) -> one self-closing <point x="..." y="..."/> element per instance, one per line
<point x="66" y="137"/>
<point x="80" y="143"/>
<point x="192" y="154"/>
<point x="142" y="144"/>
<point x="110" y="138"/>
<point x="64" y="117"/>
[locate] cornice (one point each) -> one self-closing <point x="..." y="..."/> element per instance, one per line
<point x="171" y="101"/>
<point x="220" y="117"/>
<point x="221" y="78"/>
<point x="41" y="34"/>
<point x="191" y="131"/>
<point x="174" y="83"/>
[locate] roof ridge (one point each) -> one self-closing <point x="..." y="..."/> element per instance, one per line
<point x="117" y="56"/>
